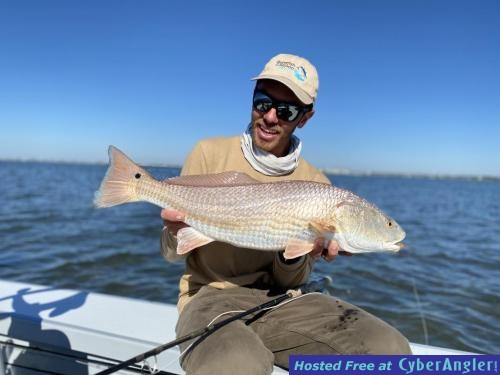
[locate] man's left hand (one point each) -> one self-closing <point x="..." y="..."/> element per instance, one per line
<point x="329" y="253"/>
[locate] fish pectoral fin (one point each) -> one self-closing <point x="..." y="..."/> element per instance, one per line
<point x="321" y="228"/>
<point x="189" y="238"/>
<point x="296" y="248"/>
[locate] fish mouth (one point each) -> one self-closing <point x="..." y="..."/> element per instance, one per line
<point x="394" y="246"/>
<point x="398" y="244"/>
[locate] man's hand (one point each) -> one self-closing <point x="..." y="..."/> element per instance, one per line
<point x="173" y="220"/>
<point x="329" y="253"/>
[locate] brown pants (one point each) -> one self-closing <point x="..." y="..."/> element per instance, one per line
<point x="313" y="324"/>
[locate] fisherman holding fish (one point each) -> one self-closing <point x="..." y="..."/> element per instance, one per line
<point x="251" y="218"/>
<point x="220" y="277"/>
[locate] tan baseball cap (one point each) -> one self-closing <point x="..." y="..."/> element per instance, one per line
<point x="298" y="74"/>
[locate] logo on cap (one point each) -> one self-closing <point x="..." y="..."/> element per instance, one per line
<point x="287" y="66"/>
<point x="300" y="73"/>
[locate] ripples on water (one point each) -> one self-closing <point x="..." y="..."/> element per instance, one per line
<point x="446" y="280"/>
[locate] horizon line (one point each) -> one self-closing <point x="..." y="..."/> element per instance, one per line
<point x="328" y="171"/>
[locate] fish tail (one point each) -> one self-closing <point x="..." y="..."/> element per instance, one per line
<point x="119" y="184"/>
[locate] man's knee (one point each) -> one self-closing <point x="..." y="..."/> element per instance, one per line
<point x="235" y="362"/>
<point x="384" y="339"/>
<point x="230" y="352"/>
<point x="393" y="343"/>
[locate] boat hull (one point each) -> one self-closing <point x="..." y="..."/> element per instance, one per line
<point x="48" y="330"/>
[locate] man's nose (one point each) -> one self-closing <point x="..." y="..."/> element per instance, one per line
<point x="271" y="117"/>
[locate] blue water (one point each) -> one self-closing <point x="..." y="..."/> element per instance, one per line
<point x="443" y="289"/>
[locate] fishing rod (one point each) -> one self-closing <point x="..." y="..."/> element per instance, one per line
<point x="305" y="289"/>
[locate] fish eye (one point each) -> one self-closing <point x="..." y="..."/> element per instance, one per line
<point x="137" y="175"/>
<point x="390" y="223"/>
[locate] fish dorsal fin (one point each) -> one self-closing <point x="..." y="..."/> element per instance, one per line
<point x="216" y="179"/>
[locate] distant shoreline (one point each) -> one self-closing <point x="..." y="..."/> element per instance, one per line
<point x="328" y="171"/>
<point x="68" y="162"/>
<point x="430" y="176"/>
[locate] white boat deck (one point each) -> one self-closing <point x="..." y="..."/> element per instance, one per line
<point x="47" y="330"/>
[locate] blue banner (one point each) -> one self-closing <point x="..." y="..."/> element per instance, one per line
<point x="394" y="364"/>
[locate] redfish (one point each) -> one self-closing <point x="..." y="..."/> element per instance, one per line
<point x="232" y="207"/>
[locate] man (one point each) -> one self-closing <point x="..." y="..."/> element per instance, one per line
<point x="220" y="277"/>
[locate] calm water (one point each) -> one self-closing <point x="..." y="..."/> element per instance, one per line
<point x="443" y="289"/>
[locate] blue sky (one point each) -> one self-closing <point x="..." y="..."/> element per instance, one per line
<point x="405" y="86"/>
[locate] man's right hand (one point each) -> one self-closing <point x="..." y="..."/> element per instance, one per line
<point x="173" y="220"/>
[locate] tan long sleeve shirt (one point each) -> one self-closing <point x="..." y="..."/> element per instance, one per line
<point x="222" y="265"/>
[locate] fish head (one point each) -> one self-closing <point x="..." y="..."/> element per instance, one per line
<point x="362" y="227"/>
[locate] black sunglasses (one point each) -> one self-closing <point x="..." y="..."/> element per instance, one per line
<point x="263" y="103"/>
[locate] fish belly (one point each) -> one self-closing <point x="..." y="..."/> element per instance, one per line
<point x="260" y="216"/>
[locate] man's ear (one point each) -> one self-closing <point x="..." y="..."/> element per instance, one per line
<point x="305" y="118"/>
